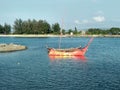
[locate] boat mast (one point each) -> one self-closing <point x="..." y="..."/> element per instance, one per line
<point x="60" y="39"/>
<point x="60" y="35"/>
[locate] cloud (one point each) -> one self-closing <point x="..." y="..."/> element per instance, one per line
<point x="81" y="22"/>
<point x="99" y="18"/>
<point x="77" y="22"/>
<point x="85" y="21"/>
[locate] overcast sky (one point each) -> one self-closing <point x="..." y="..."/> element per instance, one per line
<point x="73" y="13"/>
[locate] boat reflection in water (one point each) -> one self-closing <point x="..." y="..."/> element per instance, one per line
<point x="81" y="58"/>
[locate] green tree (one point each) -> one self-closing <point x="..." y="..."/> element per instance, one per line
<point x="69" y="31"/>
<point x="114" y="31"/>
<point x="18" y="26"/>
<point x="7" y="29"/>
<point x="56" y="28"/>
<point x="95" y="31"/>
<point x="63" y="32"/>
<point x="31" y="27"/>
<point x="75" y="31"/>
<point x="44" y="27"/>
<point x="1" y="29"/>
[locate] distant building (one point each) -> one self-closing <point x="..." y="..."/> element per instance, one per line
<point x="71" y="33"/>
<point x="83" y="32"/>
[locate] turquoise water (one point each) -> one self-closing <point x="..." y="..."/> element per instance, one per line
<point x="32" y="69"/>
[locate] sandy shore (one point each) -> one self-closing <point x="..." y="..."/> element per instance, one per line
<point x="32" y="35"/>
<point x="29" y="35"/>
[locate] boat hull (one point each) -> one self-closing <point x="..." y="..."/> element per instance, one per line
<point x="68" y="52"/>
<point x="79" y="58"/>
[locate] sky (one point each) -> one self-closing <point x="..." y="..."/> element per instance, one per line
<point x="82" y="14"/>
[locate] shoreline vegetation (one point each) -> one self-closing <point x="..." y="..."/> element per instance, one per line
<point x="50" y="35"/>
<point x="41" y="28"/>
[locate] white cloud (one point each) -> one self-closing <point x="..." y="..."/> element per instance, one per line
<point x="99" y="18"/>
<point x="77" y="21"/>
<point x="81" y="22"/>
<point x="85" y="21"/>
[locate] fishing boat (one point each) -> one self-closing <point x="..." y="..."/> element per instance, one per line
<point x="79" y="51"/>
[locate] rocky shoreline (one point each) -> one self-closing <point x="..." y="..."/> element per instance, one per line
<point x="11" y="47"/>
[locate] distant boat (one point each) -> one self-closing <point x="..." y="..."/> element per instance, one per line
<point x="79" y="51"/>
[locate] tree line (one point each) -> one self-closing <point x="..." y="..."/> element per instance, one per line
<point x="34" y="27"/>
<point x="43" y="27"/>
<point x="97" y="31"/>
<point x="5" y="29"/>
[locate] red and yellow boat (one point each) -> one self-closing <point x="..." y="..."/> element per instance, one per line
<point x="76" y="58"/>
<point x="80" y="51"/>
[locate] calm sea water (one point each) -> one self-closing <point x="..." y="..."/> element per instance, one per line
<point x="33" y="69"/>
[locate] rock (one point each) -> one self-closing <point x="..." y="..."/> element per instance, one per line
<point x="11" y="47"/>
